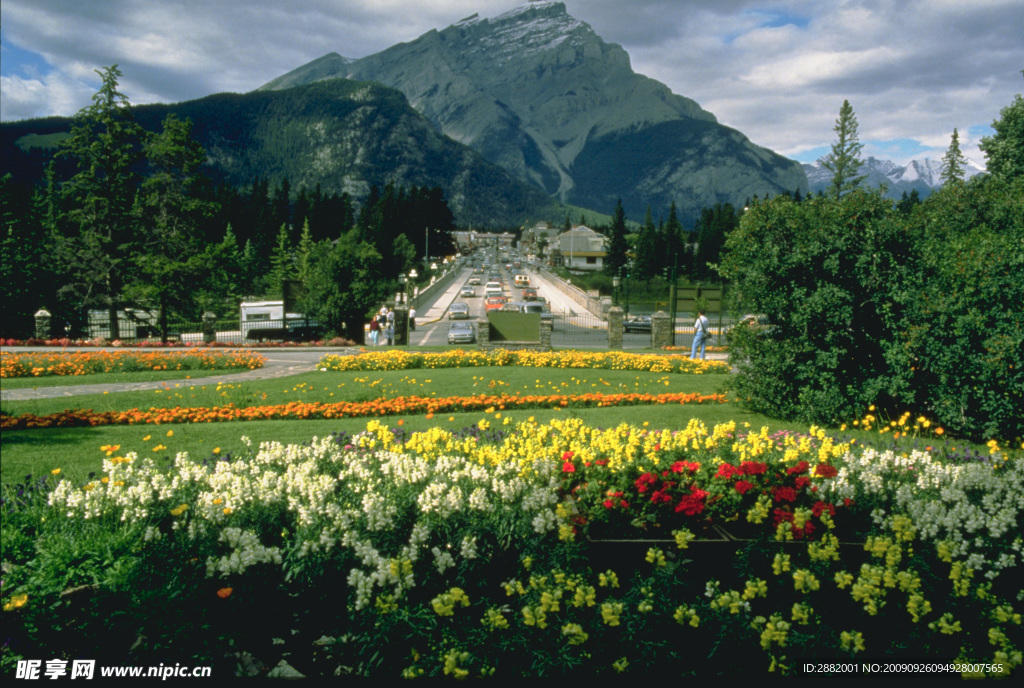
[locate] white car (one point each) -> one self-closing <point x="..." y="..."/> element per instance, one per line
<point x="467" y="291"/>
<point x="458" y="311"/>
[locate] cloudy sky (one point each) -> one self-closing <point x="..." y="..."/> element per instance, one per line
<point x="777" y="70"/>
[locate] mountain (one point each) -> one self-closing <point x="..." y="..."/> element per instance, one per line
<point x="924" y="175"/>
<point x="339" y="134"/>
<point x="541" y="94"/>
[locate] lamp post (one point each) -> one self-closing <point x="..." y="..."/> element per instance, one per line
<point x="403" y="280"/>
<point x="615" y="290"/>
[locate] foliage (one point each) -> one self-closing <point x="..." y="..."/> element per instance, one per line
<point x="954" y="164"/>
<point x="844" y="160"/>
<point x="964" y="332"/>
<point x="95" y="229"/>
<point x="1005" y="149"/>
<point x="616" y="255"/>
<point x="346" y="281"/>
<point x="464" y="555"/>
<point x="828" y="273"/>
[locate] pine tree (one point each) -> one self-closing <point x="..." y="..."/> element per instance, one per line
<point x="281" y="262"/>
<point x="97" y="233"/>
<point x="844" y="161"/>
<point x="954" y="164"/>
<point x="616" y="258"/>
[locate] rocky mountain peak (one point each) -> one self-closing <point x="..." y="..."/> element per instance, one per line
<point x="538" y="92"/>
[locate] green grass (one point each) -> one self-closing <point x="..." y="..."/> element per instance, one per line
<point x="335" y="386"/>
<point x="76" y="451"/>
<point x="108" y="378"/>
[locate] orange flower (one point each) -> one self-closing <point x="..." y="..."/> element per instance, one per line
<point x="225" y="593"/>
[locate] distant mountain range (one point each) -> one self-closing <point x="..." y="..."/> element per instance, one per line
<point x="924" y="175"/>
<point x="539" y="93"/>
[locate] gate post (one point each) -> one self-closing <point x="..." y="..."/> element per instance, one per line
<point x="662" y="330"/>
<point x="615" y="320"/>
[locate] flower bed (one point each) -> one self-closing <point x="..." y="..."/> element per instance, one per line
<point x="445" y="554"/>
<point x="458" y="358"/>
<point x="46" y="364"/>
<point x="344" y="409"/>
<point x="149" y="344"/>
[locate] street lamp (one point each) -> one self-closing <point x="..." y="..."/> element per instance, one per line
<point x="403" y="280"/>
<point x="615" y="290"/>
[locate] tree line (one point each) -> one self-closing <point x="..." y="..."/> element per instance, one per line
<point x="131" y="220"/>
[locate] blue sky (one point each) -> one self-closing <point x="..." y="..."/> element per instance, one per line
<point x="778" y="71"/>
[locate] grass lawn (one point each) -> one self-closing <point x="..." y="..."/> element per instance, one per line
<point x="76" y="451"/>
<point x="106" y="378"/>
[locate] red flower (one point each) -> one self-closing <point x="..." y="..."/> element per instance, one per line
<point x="567" y="467"/>
<point x="784" y="494"/>
<point x="754" y="468"/>
<point x="799" y="468"/>
<point x="567" y="456"/>
<point x="644" y="482"/>
<point x="727" y="470"/>
<point x="742" y="486"/>
<point x="693" y="503"/>
<point x="680" y="466"/>
<point x="824" y="470"/>
<point x="820" y="507"/>
<point x="801" y="482"/>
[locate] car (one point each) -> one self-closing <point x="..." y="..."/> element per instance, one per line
<point x="528" y="293"/>
<point x="458" y="311"/>
<point x="495" y="302"/>
<point x="467" y="291"/>
<point x="757" y="323"/>
<point x="474" y="280"/>
<point x="639" y="323"/>
<point x="461" y="333"/>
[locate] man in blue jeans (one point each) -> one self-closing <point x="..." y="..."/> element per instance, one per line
<point x="701" y="335"/>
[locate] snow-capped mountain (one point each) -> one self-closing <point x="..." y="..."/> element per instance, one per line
<point x="925" y="175"/>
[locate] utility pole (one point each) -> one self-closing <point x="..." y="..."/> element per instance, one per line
<point x="672" y="296"/>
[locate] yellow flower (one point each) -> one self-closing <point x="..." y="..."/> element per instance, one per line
<point x="146" y="438"/>
<point x="55" y="471"/>
<point x="179" y="510"/>
<point x="170" y="433"/>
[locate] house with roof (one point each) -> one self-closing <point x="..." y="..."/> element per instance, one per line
<point x="580" y="248"/>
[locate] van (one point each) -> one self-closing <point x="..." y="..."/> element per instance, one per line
<point x="522" y="281"/>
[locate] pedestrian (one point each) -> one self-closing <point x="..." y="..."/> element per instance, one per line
<point x="374" y="330"/>
<point x="412" y="319"/>
<point x="389" y="328"/>
<point x="700" y="335"/>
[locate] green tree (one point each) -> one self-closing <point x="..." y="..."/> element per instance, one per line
<point x="649" y="258"/>
<point x="954" y="164"/>
<point x="830" y="275"/>
<point x="1004" y="150"/>
<point x="282" y="263"/>
<point x="844" y="161"/>
<point x="304" y="254"/>
<point x="97" y="240"/>
<point x="174" y="264"/>
<point x="346" y="282"/>
<point x="617" y="254"/>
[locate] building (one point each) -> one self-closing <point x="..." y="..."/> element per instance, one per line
<point x="581" y="248"/>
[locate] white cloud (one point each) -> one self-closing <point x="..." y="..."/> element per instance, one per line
<point x="777" y="70"/>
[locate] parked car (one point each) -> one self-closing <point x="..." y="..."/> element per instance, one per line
<point x="467" y="291"/>
<point x="458" y="311"/>
<point x="461" y="333"/>
<point x="757" y="323"/>
<point x="639" y="323"/>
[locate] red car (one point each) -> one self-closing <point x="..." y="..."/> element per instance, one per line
<point x="496" y="302"/>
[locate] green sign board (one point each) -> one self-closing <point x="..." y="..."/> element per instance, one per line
<point x="688" y="295"/>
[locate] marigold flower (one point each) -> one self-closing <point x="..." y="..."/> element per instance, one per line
<point x="225" y="593"/>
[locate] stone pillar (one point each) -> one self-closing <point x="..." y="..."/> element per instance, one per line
<point x="209" y="327"/>
<point x="616" y="317"/>
<point x="401" y="326"/>
<point x="661" y="330"/>
<point x="44" y="328"/>
<point x="545" y="334"/>
<point x="483" y="332"/>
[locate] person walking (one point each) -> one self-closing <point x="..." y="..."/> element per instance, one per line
<point x="389" y="328"/>
<point x="412" y="319"/>
<point x="375" y="330"/>
<point x="700" y="335"/>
